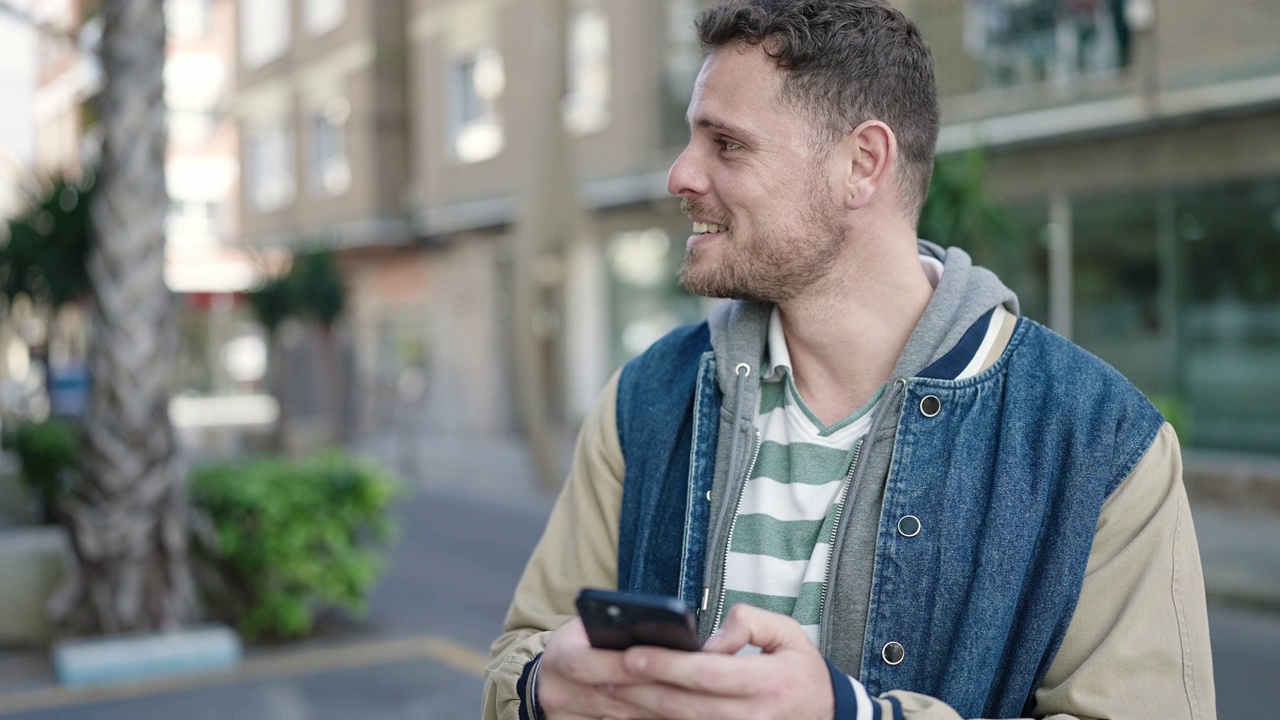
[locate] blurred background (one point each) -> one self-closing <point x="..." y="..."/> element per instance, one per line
<point x="424" y="233"/>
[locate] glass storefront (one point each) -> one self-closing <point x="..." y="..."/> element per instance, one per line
<point x="1179" y="289"/>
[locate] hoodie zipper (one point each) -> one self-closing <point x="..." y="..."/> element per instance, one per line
<point x="835" y="527"/>
<point x="733" y="523"/>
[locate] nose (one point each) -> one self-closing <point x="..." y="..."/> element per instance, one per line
<point x="686" y="177"/>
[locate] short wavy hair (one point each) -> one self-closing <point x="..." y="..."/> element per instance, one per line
<point x="845" y="62"/>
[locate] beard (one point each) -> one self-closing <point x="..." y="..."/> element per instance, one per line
<point x="775" y="264"/>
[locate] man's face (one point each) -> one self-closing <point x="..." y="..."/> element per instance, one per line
<point x="760" y="190"/>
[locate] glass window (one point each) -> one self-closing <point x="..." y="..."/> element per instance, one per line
<point x="1027" y="41"/>
<point x="321" y="16"/>
<point x="1227" y="238"/>
<point x="187" y="18"/>
<point x="646" y="297"/>
<point x="681" y="61"/>
<point x="1117" y="287"/>
<point x="476" y="80"/>
<point x="329" y="171"/>
<point x="264" y="30"/>
<point x="269" y="178"/>
<point x="586" y="107"/>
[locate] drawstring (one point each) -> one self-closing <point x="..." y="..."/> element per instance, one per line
<point x="742" y="371"/>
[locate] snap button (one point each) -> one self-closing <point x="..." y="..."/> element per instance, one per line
<point x="909" y="526"/>
<point x="708" y="496"/>
<point x="893" y="653"/>
<point x="930" y="406"/>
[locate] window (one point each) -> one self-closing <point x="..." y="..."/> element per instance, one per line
<point x="476" y="81"/>
<point x="264" y="31"/>
<point x="329" y="173"/>
<point x="190" y="127"/>
<point x="321" y="16"/>
<point x="1027" y="41"/>
<point x="187" y="18"/>
<point x="681" y="60"/>
<point x="269" y="154"/>
<point x="586" y="107"/>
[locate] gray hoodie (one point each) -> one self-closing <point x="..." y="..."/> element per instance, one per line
<point x="738" y="336"/>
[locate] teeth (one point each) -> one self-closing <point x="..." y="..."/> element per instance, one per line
<point x="700" y="228"/>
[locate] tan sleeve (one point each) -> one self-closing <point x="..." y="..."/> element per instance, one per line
<point x="1138" y="643"/>
<point x="579" y="548"/>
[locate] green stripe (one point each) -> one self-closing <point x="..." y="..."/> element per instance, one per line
<point x="805" y="609"/>
<point x="782" y="539"/>
<point x="773" y="395"/>
<point x="801" y="463"/>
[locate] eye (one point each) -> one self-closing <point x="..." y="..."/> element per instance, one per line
<point x="728" y="145"/>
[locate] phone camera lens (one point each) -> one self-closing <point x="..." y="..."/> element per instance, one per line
<point x="613" y="611"/>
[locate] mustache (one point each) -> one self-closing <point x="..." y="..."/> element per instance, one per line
<point x="694" y="206"/>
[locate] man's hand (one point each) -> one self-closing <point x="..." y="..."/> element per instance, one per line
<point x="789" y="679"/>
<point x="574" y="679"/>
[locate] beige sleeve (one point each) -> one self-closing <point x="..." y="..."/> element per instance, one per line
<point x="579" y="548"/>
<point x="1138" y="643"/>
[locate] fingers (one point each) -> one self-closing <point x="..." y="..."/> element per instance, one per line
<point x="572" y="679"/>
<point x="673" y="703"/>
<point x="769" y="631"/>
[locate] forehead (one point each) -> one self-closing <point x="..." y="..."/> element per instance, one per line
<point x="739" y="85"/>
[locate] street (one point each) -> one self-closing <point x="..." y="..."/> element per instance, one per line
<point x="420" y="653"/>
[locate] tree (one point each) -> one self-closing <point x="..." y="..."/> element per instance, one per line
<point x="128" y="517"/>
<point x="959" y="210"/>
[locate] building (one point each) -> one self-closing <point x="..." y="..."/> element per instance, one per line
<point x="1134" y="143"/>
<point x="1138" y="145"/>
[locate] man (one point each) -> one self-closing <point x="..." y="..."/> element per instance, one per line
<point x="883" y="492"/>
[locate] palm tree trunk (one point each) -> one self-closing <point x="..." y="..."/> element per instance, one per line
<point x="128" y="519"/>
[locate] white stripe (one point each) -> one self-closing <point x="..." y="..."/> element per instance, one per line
<point x="812" y="632"/>
<point x="796" y="501"/>
<point x="864" y="701"/>
<point x="767" y="575"/>
<point x="988" y="340"/>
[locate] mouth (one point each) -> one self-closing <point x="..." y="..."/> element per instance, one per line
<point x="701" y="228"/>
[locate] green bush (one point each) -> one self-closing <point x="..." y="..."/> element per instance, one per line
<point x="293" y="538"/>
<point x="50" y="455"/>
<point x="1176" y="413"/>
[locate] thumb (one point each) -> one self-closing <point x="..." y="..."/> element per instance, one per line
<point x="747" y="624"/>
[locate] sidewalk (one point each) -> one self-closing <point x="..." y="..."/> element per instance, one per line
<point x="1240" y="546"/>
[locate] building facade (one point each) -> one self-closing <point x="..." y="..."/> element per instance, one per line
<point x="1134" y="143"/>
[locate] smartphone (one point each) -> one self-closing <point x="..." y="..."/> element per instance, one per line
<point x="616" y="620"/>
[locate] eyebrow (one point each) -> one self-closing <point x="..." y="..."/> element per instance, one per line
<point x="722" y="126"/>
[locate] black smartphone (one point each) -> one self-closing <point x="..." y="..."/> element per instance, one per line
<point x="616" y="620"/>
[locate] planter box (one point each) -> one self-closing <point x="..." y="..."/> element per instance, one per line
<point x="33" y="560"/>
<point x="15" y="505"/>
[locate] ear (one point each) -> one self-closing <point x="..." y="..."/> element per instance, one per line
<point x="870" y="152"/>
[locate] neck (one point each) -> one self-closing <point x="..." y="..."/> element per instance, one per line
<point x="846" y="335"/>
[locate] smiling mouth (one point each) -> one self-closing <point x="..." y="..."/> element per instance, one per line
<point x="700" y="228"/>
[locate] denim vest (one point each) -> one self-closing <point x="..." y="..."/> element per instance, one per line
<point x="1007" y="480"/>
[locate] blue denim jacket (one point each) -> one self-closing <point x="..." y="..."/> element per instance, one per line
<point x="1007" y="480"/>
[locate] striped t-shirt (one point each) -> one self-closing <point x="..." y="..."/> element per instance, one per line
<point x="791" y="504"/>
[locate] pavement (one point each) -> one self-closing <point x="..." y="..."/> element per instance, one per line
<point x="401" y="649"/>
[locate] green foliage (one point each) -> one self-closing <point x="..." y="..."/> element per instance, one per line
<point x="1176" y="413"/>
<point x="294" y="538"/>
<point x="960" y="212"/>
<point x="48" y="243"/>
<point x="50" y="457"/>
<point x="312" y="289"/>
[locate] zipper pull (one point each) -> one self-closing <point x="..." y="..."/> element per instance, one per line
<point x="706" y="598"/>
